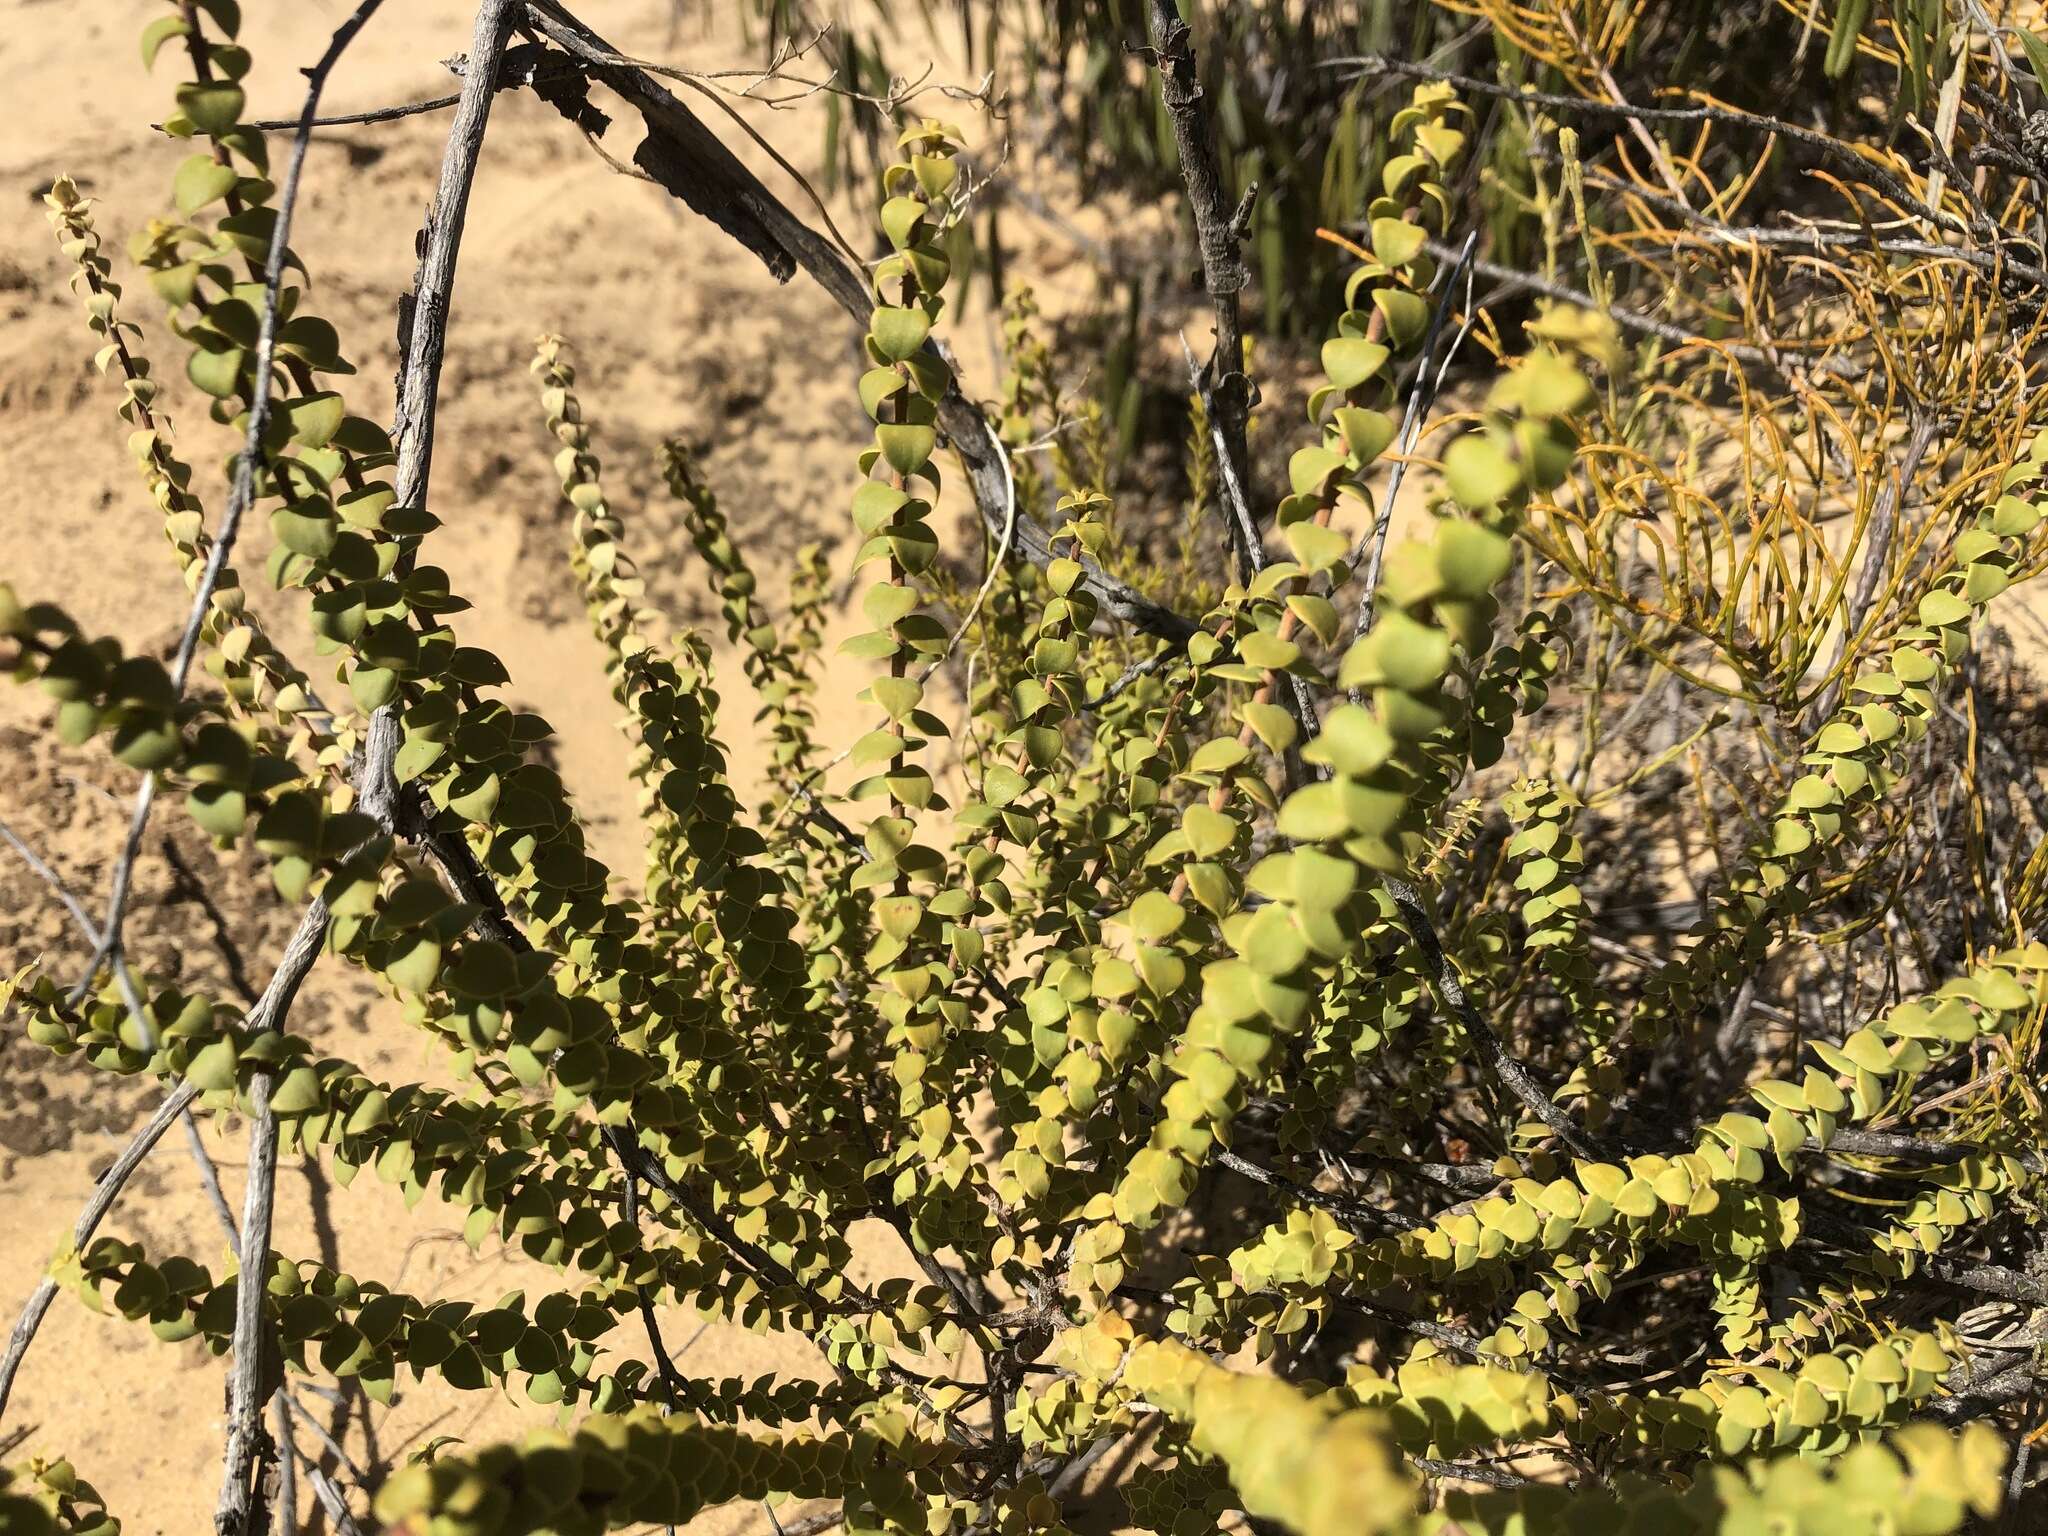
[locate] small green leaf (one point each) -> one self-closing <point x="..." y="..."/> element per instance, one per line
<point x="214" y="1067"/>
<point x="220" y="809"/>
<point x="214" y="107"/>
<point x="298" y="1094"/>
<point x="1396" y="242"/>
<point x="1479" y="474"/>
<point x="218" y="374"/>
<point x="1407" y="314"/>
<point x="159" y="32"/>
<point x="200" y="180"/>
<point x="315" y="418"/>
<point x="1471" y="559"/>
<point x="1208" y="832"/>
<point x="901" y="217"/>
<point x="417" y="966"/>
<point x="1367" y="434"/>
<point x="1310" y="469"/>
<point x="908" y="449"/>
<point x="898" y="332"/>
<point x="1351" y="360"/>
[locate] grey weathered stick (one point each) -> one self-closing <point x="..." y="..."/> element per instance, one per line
<point x="427" y="328"/>
<point x="1917" y="1149"/>
<point x="331" y="1501"/>
<point x="1071" y="1475"/>
<point x="40" y="868"/>
<point x="243" y="490"/>
<point x="1351" y="1213"/>
<point x="2008" y="1386"/>
<point x="1245" y="541"/>
<point x="320" y="1432"/>
<point x="104" y="1194"/>
<point x="423" y="341"/>
<point x="690" y="161"/>
<point x="1472" y="1472"/>
<point x="287" y="1465"/>
<point x="1217" y="233"/>
<point x="239" y="1510"/>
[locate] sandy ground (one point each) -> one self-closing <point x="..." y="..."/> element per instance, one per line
<point x="677" y="330"/>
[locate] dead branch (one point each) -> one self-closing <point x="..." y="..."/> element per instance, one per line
<point x="1218" y="233"/>
<point x="692" y="164"/>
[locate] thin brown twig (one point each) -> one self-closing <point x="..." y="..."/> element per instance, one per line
<point x="1884" y="519"/>
<point x="1629" y="319"/>
<point x="1217" y="232"/>
<point x="1493" y="1052"/>
<point x="1891" y="185"/>
<point x="1351" y="1213"/>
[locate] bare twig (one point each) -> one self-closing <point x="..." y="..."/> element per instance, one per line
<point x="423" y="342"/>
<point x="1493" y="1051"/>
<point x="1217" y="232"/>
<point x="1245" y="540"/>
<point x="1615" y="97"/>
<point x="1835" y="149"/>
<point x="329" y="1494"/>
<point x="104" y="1194"/>
<point x="1877" y="549"/>
<point x="707" y="177"/>
<point x="287" y="1507"/>
<point x="374" y="115"/>
<point x="673" y="1381"/>
<point x="239" y="1511"/>
<point x="321" y="1433"/>
<point x="138" y="1014"/>
<point x="1472" y="1472"/>
<point x="1629" y="319"/>
<point x="2008" y="1386"/>
<point x="426" y="322"/>
<point x="1429" y="375"/>
<point x="814" y="1525"/>
<point x="1132" y="674"/>
<point x="1810" y="236"/>
<point x="1918" y="1149"/>
<point x="1075" y="1471"/>
<point x="42" y="871"/>
<point x="1349" y="1212"/>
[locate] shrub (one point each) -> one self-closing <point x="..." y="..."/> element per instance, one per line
<point x="1221" y="1005"/>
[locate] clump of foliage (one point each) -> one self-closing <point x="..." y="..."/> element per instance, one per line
<point x="1228" y="1009"/>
